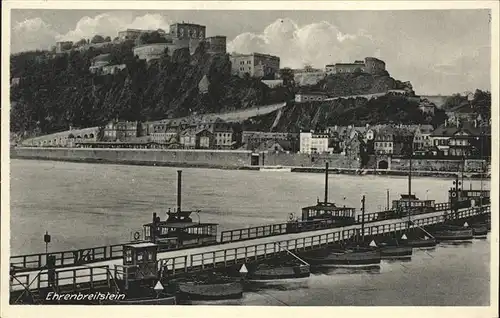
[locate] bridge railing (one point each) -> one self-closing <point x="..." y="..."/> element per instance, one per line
<point x="275" y="229"/>
<point x="393" y="214"/>
<point x="63" y="258"/>
<point x="252" y="232"/>
<point x="67" y="280"/>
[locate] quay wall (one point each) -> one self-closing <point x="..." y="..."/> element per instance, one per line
<point x="200" y="158"/>
<point x="307" y="160"/>
<point x="437" y="165"/>
<point x="244" y="159"/>
<point x="215" y="158"/>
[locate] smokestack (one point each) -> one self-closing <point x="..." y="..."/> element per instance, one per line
<point x="179" y="189"/>
<point x="326" y="183"/>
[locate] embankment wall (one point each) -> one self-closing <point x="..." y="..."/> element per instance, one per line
<point x="139" y="156"/>
<point x="232" y="159"/>
<point x="206" y="158"/>
<point x="307" y="160"/>
<point x="438" y="165"/>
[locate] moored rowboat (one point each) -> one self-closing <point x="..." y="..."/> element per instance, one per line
<point x="348" y="257"/>
<point x="454" y="234"/>
<point x="267" y="273"/>
<point x="479" y="230"/>
<point x="210" y="291"/>
<point x="431" y="242"/>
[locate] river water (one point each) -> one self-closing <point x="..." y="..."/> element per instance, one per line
<point x="83" y="205"/>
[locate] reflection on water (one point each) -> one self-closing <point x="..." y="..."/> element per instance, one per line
<point x="283" y="284"/>
<point x="84" y="205"/>
<point x="455" y="243"/>
<point x="343" y="270"/>
<point x="397" y="259"/>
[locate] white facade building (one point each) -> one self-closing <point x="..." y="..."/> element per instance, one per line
<point x="311" y="142"/>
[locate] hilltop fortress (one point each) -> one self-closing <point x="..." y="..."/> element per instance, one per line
<point x="181" y="35"/>
<point x="370" y="65"/>
<point x="190" y="35"/>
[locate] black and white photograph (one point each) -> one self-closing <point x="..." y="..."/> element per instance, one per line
<point x="209" y="154"/>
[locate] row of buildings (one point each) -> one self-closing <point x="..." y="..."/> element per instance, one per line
<point x="205" y="135"/>
<point x="462" y="139"/>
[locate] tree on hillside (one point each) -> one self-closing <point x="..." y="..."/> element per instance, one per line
<point x="439" y="118"/>
<point x="82" y="42"/>
<point x="97" y="39"/>
<point x="482" y="103"/>
<point x="151" y="37"/>
<point x="107" y="39"/>
<point x="454" y="101"/>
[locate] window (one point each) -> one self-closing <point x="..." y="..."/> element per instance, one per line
<point x="128" y="256"/>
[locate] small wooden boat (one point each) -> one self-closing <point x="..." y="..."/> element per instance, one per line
<point x="487" y="225"/>
<point x="350" y="257"/>
<point x="210" y="291"/>
<point x="453" y="233"/>
<point x="479" y="230"/>
<point x="395" y="251"/>
<point x="420" y="242"/>
<point x="389" y="250"/>
<point x="266" y="272"/>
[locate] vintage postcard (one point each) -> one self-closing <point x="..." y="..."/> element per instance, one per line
<point x="241" y="158"/>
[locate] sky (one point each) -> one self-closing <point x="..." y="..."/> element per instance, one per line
<point x="438" y="51"/>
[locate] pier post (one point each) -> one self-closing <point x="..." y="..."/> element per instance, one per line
<point x="388" y="205"/>
<point x="179" y="186"/>
<point x="363" y="218"/>
<point x="326" y="182"/>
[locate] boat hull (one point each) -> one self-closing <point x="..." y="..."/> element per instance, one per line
<point x="454" y="235"/>
<point x="194" y="291"/>
<point x="479" y="231"/>
<point x="347" y="259"/>
<point x="422" y="243"/>
<point x="396" y="251"/>
<point x="280" y="273"/>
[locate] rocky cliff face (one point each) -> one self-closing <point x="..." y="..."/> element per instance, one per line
<point x="360" y="83"/>
<point x="353" y="111"/>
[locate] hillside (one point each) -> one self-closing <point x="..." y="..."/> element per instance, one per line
<point x="55" y="92"/>
<point x="358" y="112"/>
<point x="58" y="91"/>
<point x="360" y="83"/>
